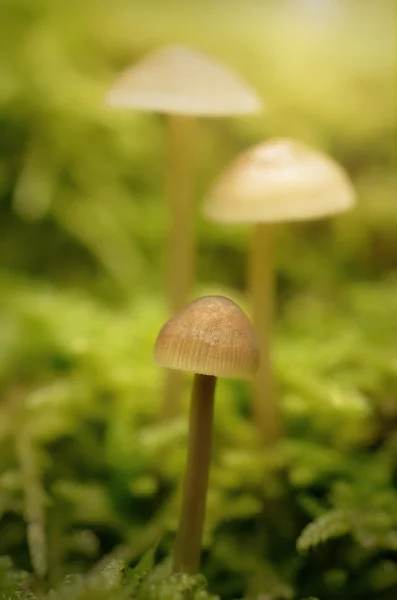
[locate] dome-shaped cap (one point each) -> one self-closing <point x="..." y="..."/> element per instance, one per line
<point x="183" y="81"/>
<point x="210" y="336"/>
<point x="279" y="180"/>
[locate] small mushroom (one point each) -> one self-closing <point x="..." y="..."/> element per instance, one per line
<point x="279" y="180"/>
<point x="210" y="337"/>
<point x="183" y="84"/>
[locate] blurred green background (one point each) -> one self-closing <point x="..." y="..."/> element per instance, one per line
<point x="86" y="464"/>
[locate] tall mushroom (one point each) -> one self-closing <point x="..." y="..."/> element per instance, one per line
<point x="183" y="84"/>
<point x="210" y="337"/>
<point x="279" y="180"/>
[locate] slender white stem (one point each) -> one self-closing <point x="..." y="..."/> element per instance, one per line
<point x="262" y="290"/>
<point x="180" y="268"/>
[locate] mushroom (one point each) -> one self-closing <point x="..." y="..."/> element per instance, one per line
<point x="182" y="84"/>
<point x="210" y="337"/>
<point x="278" y="180"/>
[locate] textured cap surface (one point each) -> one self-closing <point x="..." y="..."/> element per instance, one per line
<point x="180" y="80"/>
<point x="211" y="336"/>
<point x="279" y="180"/>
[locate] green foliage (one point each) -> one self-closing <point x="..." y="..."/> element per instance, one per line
<point x="84" y="184"/>
<point x="109" y="581"/>
<point x="13" y="584"/>
<point x="101" y="464"/>
<point x="364" y="508"/>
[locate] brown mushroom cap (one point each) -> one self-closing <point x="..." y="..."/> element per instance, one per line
<point x="179" y="80"/>
<point x="210" y="336"/>
<point x="279" y="180"/>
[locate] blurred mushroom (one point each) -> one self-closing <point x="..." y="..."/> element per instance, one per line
<point x="182" y="84"/>
<point x="212" y="338"/>
<point x="279" y="180"/>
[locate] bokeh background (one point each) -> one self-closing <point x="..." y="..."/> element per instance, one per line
<point x="86" y="462"/>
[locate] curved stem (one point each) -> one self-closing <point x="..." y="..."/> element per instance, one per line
<point x="191" y="523"/>
<point x="180" y="266"/>
<point x="34" y="510"/>
<point x="262" y="289"/>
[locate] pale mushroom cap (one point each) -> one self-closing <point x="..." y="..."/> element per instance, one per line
<point x="210" y="336"/>
<point x="279" y="180"/>
<point x="183" y="81"/>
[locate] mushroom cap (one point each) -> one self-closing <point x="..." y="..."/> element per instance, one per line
<point x="279" y="180"/>
<point x="180" y="80"/>
<point x="210" y="336"/>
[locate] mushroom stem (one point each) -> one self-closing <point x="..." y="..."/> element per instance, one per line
<point x="181" y="235"/>
<point x="180" y="190"/>
<point x="191" y="522"/>
<point x="262" y="290"/>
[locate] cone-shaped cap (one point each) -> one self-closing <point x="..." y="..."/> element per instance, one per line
<point x="182" y="81"/>
<point x="279" y="180"/>
<point x="211" y="336"/>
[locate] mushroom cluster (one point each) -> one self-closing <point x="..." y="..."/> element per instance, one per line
<point x="275" y="181"/>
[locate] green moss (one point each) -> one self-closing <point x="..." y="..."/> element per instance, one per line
<point x="102" y="469"/>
